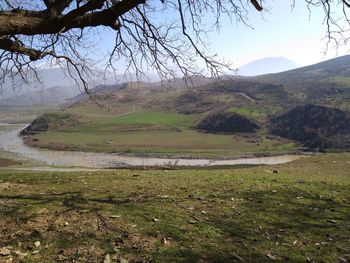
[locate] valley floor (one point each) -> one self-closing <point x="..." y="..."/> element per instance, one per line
<point x="152" y="134"/>
<point x="300" y="214"/>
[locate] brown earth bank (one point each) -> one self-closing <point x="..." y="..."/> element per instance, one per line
<point x="7" y="162"/>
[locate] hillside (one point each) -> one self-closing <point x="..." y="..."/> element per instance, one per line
<point x="315" y="126"/>
<point x="150" y="118"/>
<point x="228" y="122"/>
<point x="326" y="83"/>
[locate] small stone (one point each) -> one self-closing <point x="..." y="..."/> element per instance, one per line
<point x="155" y="219"/>
<point x="192" y="222"/>
<point x="270" y="256"/>
<point x="37" y="244"/>
<point x="35" y="252"/>
<point x="274" y="191"/>
<point x="107" y="259"/>
<point x="165" y="241"/>
<point x="123" y="260"/>
<point x="203" y="212"/>
<point x="115" y="216"/>
<point x="20" y="254"/>
<point x="5" y="252"/>
<point x="66" y="224"/>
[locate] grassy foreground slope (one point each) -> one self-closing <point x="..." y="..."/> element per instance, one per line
<point x="301" y="214"/>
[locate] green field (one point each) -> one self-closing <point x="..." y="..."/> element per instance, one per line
<point x="301" y="214"/>
<point x="152" y="133"/>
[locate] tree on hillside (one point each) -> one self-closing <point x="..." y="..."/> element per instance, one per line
<point x="167" y="35"/>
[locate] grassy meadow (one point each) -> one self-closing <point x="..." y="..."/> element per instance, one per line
<point x="152" y="133"/>
<point x="301" y="214"/>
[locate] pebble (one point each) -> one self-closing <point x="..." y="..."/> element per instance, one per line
<point x="20" y="254"/>
<point x="107" y="259"/>
<point x="192" y="221"/>
<point x="66" y="223"/>
<point x="270" y="256"/>
<point x="37" y="244"/>
<point x="123" y="260"/>
<point x="115" y="216"/>
<point x="155" y="219"/>
<point x="35" y="252"/>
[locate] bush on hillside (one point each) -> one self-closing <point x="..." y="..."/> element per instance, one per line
<point x="314" y="126"/>
<point x="227" y="122"/>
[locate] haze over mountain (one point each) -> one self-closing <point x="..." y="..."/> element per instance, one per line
<point x="52" y="96"/>
<point x="56" y="86"/>
<point x="266" y="66"/>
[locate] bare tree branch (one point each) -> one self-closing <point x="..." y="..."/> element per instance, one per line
<point x="60" y="30"/>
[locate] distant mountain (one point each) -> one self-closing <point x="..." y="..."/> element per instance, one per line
<point x="266" y="66"/>
<point x="50" y="77"/>
<point x="55" y="76"/>
<point x="52" y="96"/>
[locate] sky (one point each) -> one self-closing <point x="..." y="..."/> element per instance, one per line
<point x="294" y="33"/>
<point x="280" y="31"/>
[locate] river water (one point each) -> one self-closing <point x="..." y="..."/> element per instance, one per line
<point x="11" y="142"/>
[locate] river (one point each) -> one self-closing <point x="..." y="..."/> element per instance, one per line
<point x="11" y="142"/>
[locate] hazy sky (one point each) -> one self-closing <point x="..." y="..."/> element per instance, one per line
<point x="281" y="31"/>
<point x="295" y="34"/>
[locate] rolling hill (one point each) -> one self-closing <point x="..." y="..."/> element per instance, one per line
<point x="151" y="118"/>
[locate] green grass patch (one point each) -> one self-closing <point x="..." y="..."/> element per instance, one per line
<point x="148" y="133"/>
<point x="247" y="111"/>
<point x="342" y="81"/>
<point x="163" y="118"/>
<point x="225" y="215"/>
